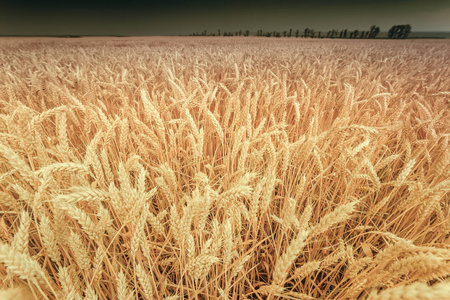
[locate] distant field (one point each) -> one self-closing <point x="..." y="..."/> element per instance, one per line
<point x="224" y="168"/>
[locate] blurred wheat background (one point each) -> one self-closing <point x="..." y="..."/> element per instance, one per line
<point x="215" y="168"/>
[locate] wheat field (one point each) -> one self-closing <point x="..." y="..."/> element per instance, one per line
<point x="224" y="168"/>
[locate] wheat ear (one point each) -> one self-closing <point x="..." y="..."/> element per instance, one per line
<point x="288" y="257"/>
<point x="21" y="264"/>
<point x="20" y="243"/>
<point x="340" y="214"/>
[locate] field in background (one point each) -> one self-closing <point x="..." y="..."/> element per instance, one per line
<point x="215" y="168"/>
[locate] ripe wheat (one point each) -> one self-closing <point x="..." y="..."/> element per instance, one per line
<point x="176" y="168"/>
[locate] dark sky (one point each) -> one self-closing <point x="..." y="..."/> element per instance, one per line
<point x="135" y="17"/>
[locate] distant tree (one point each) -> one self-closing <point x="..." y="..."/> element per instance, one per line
<point x="320" y="34"/>
<point x="278" y="34"/>
<point x="290" y="32"/>
<point x="307" y="32"/>
<point x="345" y="34"/>
<point x="392" y="33"/>
<point x="374" y="31"/>
<point x="407" y="31"/>
<point x="341" y="35"/>
<point x="355" y="33"/>
<point x="240" y="32"/>
<point x="285" y="33"/>
<point x="247" y="33"/>
<point x="297" y="32"/>
<point x="399" y="31"/>
<point x="334" y="33"/>
<point x="218" y="32"/>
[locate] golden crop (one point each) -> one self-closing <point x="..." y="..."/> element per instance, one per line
<point x="215" y="168"/>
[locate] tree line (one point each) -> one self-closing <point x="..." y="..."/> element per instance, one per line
<point x="395" y="32"/>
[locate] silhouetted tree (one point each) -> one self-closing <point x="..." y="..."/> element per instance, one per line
<point x="247" y="33"/>
<point x="285" y="33"/>
<point x="297" y="32"/>
<point x="406" y="31"/>
<point x="374" y="31"/>
<point x="345" y="34"/>
<point x="332" y="34"/>
<point x="394" y="32"/>
<point x="355" y="33"/>
<point x="290" y="32"/>
<point x="278" y="34"/>
<point x="307" y="32"/>
<point x="399" y="31"/>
